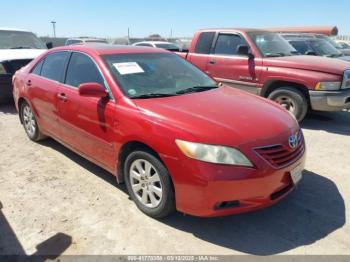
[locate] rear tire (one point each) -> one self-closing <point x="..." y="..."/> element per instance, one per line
<point x="292" y="100"/>
<point x="29" y="123"/>
<point x="149" y="184"/>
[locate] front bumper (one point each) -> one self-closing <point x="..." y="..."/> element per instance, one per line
<point x="5" y="88"/>
<point x="206" y="185"/>
<point x="330" y="100"/>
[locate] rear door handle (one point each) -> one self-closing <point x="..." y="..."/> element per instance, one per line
<point x="62" y="97"/>
<point x="212" y="62"/>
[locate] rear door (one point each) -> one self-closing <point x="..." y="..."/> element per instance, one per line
<point x="86" y="122"/>
<point x="42" y="83"/>
<point x="226" y="65"/>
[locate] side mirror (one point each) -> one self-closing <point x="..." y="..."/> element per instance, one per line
<point x="244" y="50"/>
<point x="92" y="90"/>
<point x="49" y="45"/>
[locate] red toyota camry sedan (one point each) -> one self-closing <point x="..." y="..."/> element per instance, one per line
<point x="177" y="139"/>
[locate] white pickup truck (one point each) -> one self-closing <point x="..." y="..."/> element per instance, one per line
<point x="17" y="49"/>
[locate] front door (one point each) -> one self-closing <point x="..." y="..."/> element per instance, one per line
<point x="87" y="122"/>
<point x="227" y="66"/>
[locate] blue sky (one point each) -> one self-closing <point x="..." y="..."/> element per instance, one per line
<point x="107" y="18"/>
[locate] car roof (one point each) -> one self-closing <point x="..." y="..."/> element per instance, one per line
<point x="86" y="39"/>
<point x="241" y="30"/>
<point x="13" y="29"/>
<point x="107" y="49"/>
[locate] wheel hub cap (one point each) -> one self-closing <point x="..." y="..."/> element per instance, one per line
<point x="29" y="121"/>
<point x="146" y="183"/>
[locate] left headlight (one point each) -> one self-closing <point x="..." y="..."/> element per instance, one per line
<point x="328" y="86"/>
<point x="2" y="69"/>
<point x="213" y="154"/>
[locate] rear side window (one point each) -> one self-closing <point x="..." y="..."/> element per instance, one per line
<point x="204" y="43"/>
<point x="82" y="69"/>
<point x="227" y="44"/>
<point x="37" y="68"/>
<point x="54" y="65"/>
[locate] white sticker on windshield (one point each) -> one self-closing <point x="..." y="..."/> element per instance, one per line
<point x="128" y="68"/>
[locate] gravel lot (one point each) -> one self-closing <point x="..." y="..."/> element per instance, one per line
<point x="55" y="202"/>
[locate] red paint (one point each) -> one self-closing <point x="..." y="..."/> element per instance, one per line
<point x="97" y="128"/>
<point x="261" y="73"/>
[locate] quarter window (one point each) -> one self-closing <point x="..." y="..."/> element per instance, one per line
<point x="37" y="68"/>
<point x="82" y="69"/>
<point x="204" y="43"/>
<point x="54" y="65"/>
<point x="227" y="44"/>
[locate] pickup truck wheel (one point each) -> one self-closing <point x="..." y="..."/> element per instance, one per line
<point x="29" y="123"/>
<point x="292" y="100"/>
<point x="149" y="184"/>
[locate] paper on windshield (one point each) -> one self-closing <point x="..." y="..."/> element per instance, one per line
<point x="128" y="68"/>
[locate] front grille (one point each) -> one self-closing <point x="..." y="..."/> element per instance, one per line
<point x="282" y="155"/>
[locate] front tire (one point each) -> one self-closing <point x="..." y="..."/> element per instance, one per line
<point x="292" y="100"/>
<point x="149" y="184"/>
<point x="29" y="123"/>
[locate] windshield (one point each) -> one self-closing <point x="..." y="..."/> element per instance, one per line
<point x="272" y="44"/>
<point x="330" y="41"/>
<point x="148" y="75"/>
<point x="324" y="48"/>
<point x="20" y="40"/>
<point x="167" y="46"/>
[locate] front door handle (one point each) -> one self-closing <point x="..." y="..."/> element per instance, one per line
<point x="62" y="97"/>
<point x="212" y="62"/>
<point x="29" y="82"/>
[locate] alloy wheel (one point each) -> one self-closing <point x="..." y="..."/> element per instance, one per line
<point x="29" y="121"/>
<point x="146" y="183"/>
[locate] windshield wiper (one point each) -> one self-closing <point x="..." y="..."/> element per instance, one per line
<point x="22" y="47"/>
<point x="195" y="89"/>
<point x="151" y="95"/>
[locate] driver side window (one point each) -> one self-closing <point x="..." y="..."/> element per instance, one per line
<point x="227" y="44"/>
<point x="82" y="69"/>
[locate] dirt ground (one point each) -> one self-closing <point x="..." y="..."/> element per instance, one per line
<point x="56" y="202"/>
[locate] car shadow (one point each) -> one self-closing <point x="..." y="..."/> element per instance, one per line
<point x="8" y="108"/>
<point x="332" y="122"/>
<point x="81" y="161"/>
<point x="314" y="210"/>
<point x="12" y="250"/>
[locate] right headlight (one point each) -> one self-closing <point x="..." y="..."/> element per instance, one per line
<point x="328" y="86"/>
<point x="213" y="154"/>
<point x="346" y="80"/>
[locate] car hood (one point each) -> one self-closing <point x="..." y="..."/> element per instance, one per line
<point x="15" y="54"/>
<point x="224" y="116"/>
<point x="312" y="63"/>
